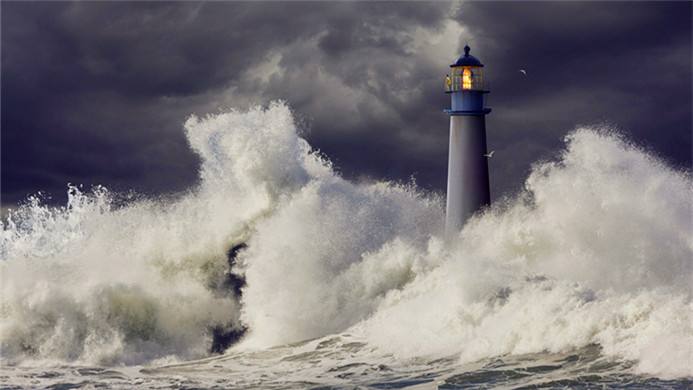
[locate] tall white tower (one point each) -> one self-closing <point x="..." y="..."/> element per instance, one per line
<point x="468" y="184"/>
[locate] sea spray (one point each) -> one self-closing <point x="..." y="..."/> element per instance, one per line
<point x="95" y="283"/>
<point x="107" y="285"/>
<point x="596" y="250"/>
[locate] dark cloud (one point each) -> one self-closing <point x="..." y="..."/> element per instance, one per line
<point x="627" y="65"/>
<point x="97" y="92"/>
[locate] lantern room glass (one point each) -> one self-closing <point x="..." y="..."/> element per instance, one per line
<point x="466" y="78"/>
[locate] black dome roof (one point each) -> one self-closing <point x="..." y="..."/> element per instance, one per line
<point x="467" y="60"/>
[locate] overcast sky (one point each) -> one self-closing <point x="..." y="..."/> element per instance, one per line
<point x="97" y="92"/>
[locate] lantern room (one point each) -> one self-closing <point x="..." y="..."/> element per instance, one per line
<point x="466" y="86"/>
<point x="466" y="74"/>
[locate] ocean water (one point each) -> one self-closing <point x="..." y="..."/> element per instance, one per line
<point x="275" y="272"/>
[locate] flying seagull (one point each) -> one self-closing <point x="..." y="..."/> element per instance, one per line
<point x="524" y="72"/>
<point x="489" y="154"/>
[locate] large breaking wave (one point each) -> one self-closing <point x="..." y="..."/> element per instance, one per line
<point x="596" y="249"/>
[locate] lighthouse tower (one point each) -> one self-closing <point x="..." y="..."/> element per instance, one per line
<point x="468" y="185"/>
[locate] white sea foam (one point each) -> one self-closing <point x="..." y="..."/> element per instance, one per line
<point x="596" y="249"/>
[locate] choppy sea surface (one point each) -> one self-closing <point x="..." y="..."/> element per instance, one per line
<point x="340" y="362"/>
<point x="582" y="279"/>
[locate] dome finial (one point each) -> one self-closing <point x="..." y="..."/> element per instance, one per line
<point x="465" y="59"/>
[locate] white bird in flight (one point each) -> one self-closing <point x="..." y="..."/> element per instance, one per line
<point x="524" y="72"/>
<point x="489" y="154"/>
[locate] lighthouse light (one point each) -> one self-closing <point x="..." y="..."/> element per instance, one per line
<point x="466" y="78"/>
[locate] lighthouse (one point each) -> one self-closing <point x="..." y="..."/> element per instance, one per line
<point x="468" y="184"/>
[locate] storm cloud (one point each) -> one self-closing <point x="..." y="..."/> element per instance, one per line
<point x="96" y="93"/>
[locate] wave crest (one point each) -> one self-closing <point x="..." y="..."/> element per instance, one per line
<point x="597" y="249"/>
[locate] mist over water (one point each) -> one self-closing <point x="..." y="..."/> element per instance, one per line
<point x="597" y="249"/>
